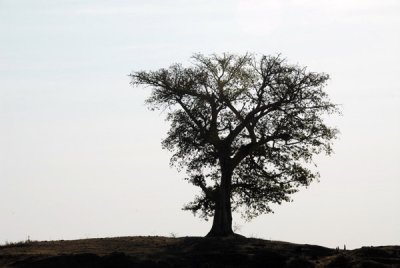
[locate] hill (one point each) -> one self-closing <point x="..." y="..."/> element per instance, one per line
<point x="190" y="252"/>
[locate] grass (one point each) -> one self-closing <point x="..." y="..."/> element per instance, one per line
<point x="158" y="251"/>
<point x="26" y="242"/>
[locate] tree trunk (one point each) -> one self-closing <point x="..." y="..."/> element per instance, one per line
<point x="222" y="222"/>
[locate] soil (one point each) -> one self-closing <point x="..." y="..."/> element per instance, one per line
<point x="202" y="252"/>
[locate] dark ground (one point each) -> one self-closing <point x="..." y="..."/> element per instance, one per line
<point x="190" y="252"/>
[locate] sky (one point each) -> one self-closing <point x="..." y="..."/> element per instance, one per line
<point x="80" y="154"/>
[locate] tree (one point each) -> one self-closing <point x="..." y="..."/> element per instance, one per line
<point x="245" y="129"/>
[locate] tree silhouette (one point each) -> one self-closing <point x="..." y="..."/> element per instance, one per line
<point x="243" y="127"/>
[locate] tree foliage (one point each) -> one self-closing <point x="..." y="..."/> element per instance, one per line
<point x="256" y="117"/>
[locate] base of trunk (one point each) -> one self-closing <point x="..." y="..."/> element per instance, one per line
<point x="230" y="235"/>
<point x="213" y="233"/>
<point x="222" y="224"/>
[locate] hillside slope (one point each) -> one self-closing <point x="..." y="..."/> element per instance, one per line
<point x="190" y="252"/>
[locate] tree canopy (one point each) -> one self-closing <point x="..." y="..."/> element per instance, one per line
<point x="245" y="129"/>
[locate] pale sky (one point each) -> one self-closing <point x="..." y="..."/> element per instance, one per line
<point x="80" y="154"/>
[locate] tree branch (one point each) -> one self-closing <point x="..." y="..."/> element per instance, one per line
<point x="250" y="117"/>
